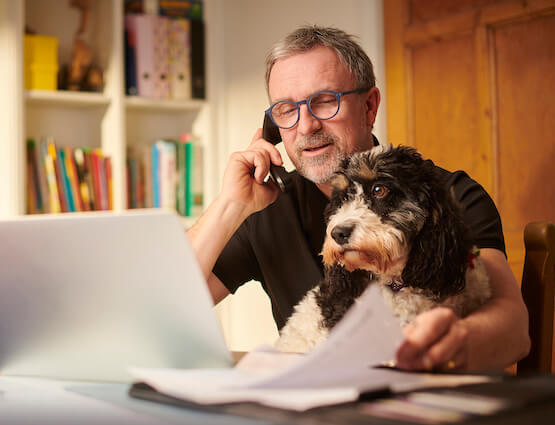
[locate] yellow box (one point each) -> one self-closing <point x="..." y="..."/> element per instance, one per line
<point x="39" y="77"/>
<point x="40" y="49"/>
<point x="41" y="62"/>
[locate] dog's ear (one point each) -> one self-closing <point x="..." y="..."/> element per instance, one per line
<point x="438" y="256"/>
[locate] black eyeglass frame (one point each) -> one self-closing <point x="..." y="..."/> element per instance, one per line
<point x="306" y="101"/>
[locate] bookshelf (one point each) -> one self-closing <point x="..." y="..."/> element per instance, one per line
<point x="108" y="120"/>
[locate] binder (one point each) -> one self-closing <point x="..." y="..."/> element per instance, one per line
<point x="179" y="58"/>
<point x="160" y="56"/>
<point x="144" y="53"/>
<point x="130" y="38"/>
<point x="198" y="75"/>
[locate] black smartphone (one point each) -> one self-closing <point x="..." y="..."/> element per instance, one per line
<point x="279" y="175"/>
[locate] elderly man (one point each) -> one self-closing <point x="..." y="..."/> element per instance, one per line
<point x="253" y="231"/>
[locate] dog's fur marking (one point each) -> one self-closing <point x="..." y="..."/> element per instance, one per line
<point x="390" y="222"/>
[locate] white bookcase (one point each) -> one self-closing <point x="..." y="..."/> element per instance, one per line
<point x="110" y="120"/>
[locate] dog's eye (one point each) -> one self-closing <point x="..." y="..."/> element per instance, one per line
<point x="345" y="196"/>
<point x="379" y="191"/>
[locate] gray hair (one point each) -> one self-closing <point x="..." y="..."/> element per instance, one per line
<point x="347" y="49"/>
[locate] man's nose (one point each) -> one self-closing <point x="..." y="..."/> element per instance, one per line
<point x="308" y="123"/>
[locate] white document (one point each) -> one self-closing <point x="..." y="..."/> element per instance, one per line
<point x="336" y="371"/>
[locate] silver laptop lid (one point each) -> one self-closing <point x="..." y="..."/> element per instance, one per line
<point x="84" y="296"/>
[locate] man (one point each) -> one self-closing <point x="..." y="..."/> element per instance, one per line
<point x="251" y="231"/>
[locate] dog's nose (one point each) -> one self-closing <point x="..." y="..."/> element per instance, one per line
<point x="342" y="233"/>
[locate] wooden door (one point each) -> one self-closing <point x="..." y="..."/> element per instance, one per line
<point x="471" y="84"/>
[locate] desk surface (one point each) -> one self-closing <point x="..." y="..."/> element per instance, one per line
<point x="26" y="401"/>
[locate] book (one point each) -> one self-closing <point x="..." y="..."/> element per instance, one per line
<point x="130" y="39"/>
<point x="198" y="180"/>
<point x="59" y="179"/>
<point x="155" y="176"/>
<point x="167" y="173"/>
<point x="82" y="172"/>
<point x="65" y="180"/>
<point x="72" y="178"/>
<point x="181" y="189"/>
<point x="50" y="171"/>
<point x="33" y="191"/>
<point x="189" y="173"/>
<point x="198" y="77"/>
<point x="41" y="179"/>
<point x="109" y="183"/>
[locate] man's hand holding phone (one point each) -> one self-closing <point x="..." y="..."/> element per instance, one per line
<point x="244" y="178"/>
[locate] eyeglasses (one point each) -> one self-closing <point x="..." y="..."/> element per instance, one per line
<point x="322" y="105"/>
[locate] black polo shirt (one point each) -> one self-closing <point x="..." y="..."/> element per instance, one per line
<point x="280" y="245"/>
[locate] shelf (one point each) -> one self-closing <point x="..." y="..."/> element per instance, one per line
<point x="142" y="103"/>
<point x="66" y="98"/>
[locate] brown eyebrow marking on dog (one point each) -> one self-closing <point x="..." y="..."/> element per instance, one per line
<point x="340" y="181"/>
<point x="366" y="172"/>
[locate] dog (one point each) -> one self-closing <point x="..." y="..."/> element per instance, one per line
<point x="391" y="221"/>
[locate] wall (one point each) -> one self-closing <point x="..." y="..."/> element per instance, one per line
<point x="241" y="32"/>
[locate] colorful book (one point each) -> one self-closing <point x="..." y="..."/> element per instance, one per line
<point x="79" y="157"/>
<point x="65" y="180"/>
<point x="189" y="173"/>
<point x="33" y="191"/>
<point x="167" y="173"/>
<point x="41" y="178"/>
<point x="109" y="183"/>
<point x="155" y="176"/>
<point x="60" y="182"/>
<point x="181" y="179"/>
<point x="50" y="171"/>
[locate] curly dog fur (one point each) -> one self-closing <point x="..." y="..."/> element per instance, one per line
<point x="390" y="221"/>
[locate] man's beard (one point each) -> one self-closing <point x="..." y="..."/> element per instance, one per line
<point x="319" y="169"/>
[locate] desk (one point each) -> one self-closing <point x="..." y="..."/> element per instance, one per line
<point x="25" y="401"/>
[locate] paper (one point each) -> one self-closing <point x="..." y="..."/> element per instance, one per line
<point x="336" y="371"/>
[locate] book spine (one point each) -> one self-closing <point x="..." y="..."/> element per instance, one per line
<point x="33" y="195"/>
<point x="198" y="180"/>
<point x="198" y="77"/>
<point x="79" y="160"/>
<point x="96" y="179"/>
<point x="189" y="173"/>
<point x="90" y="179"/>
<point x="72" y="177"/>
<point x="109" y="183"/>
<point x="181" y="180"/>
<point x="130" y="57"/>
<point x="180" y="58"/>
<point x="66" y="182"/>
<point x="144" y="54"/>
<point x="53" y="196"/>
<point x="59" y="176"/>
<point x="147" y="161"/>
<point x="160" y="57"/>
<point x="155" y="177"/>
<point x="42" y="181"/>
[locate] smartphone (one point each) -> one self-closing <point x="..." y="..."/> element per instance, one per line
<point x="279" y="175"/>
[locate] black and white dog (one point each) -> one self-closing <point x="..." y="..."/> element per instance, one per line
<point x="390" y="221"/>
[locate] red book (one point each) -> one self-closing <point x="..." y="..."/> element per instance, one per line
<point x="96" y="179"/>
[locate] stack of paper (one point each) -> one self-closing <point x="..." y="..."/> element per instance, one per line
<point x="337" y="371"/>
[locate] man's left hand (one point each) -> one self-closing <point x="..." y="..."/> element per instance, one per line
<point x="436" y="340"/>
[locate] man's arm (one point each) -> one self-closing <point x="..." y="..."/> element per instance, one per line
<point x="243" y="193"/>
<point x="493" y="337"/>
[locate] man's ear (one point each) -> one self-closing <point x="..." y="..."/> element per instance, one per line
<point x="372" y="104"/>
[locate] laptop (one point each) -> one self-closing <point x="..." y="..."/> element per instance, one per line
<point x="86" y="295"/>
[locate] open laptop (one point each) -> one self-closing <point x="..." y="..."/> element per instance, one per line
<point x="84" y="296"/>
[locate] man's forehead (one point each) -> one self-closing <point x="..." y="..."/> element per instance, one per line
<point x="298" y="76"/>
